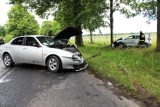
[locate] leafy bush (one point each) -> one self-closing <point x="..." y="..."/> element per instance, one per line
<point x="7" y="38"/>
<point x="21" y="22"/>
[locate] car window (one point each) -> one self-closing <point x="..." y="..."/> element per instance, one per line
<point x="17" y="41"/>
<point x="46" y="40"/>
<point x="30" y="41"/>
<point x="137" y="37"/>
<point x="130" y="37"/>
<point x="49" y="41"/>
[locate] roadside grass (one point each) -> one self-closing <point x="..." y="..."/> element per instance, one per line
<point x="138" y="70"/>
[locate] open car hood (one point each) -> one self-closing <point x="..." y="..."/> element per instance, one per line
<point x="67" y="33"/>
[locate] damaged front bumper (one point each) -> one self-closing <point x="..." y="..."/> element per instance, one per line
<point x="81" y="66"/>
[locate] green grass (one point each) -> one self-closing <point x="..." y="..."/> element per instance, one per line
<point x="136" y="69"/>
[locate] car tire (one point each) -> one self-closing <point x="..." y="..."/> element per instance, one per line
<point x="7" y="60"/>
<point x="145" y="45"/>
<point x="53" y="64"/>
<point x="121" y="45"/>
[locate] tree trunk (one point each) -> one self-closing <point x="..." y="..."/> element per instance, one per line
<point x="91" y="39"/>
<point x="78" y="38"/>
<point x="158" y="26"/>
<point x="111" y="20"/>
<point x="100" y="31"/>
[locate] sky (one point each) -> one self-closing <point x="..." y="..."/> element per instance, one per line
<point x="121" y="23"/>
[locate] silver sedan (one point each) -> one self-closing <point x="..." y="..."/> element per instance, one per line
<point x="54" y="53"/>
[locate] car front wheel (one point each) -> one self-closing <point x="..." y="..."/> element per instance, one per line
<point x="121" y="45"/>
<point x="7" y="60"/>
<point x="53" y="64"/>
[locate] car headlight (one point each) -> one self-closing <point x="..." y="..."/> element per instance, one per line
<point x="76" y="57"/>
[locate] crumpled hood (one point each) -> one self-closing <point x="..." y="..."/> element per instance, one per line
<point x="67" y="33"/>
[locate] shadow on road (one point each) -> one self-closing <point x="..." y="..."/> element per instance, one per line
<point x="42" y="68"/>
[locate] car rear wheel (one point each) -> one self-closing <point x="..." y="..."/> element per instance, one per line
<point x="7" y="60"/>
<point x="145" y="45"/>
<point x="53" y="64"/>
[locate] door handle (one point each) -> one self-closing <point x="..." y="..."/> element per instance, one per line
<point x="24" y="48"/>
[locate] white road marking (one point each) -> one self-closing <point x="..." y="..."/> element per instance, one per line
<point x="3" y="80"/>
<point x="3" y="72"/>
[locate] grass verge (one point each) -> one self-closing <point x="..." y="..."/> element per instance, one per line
<point x="138" y="70"/>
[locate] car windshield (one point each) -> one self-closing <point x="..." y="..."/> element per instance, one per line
<point x="49" y="41"/>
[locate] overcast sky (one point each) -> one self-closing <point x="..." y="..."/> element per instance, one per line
<point x="121" y="23"/>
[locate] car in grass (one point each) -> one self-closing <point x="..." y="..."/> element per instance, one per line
<point x="52" y="52"/>
<point x="131" y="41"/>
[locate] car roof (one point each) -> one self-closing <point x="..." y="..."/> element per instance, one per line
<point x="135" y="34"/>
<point x="31" y="36"/>
<point x="27" y="36"/>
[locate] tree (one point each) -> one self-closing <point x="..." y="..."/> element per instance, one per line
<point x="68" y="12"/>
<point x="50" y="28"/>
<point x="2" y="31"/>
<point x="95" y="19"/>
<point x="21" y="22"/>
<point x="56" y="27"/>
<point x="158" y="26"/>
<point x="96" y="9"/>
<point x="111" y="20"/>
<point x="91" y="14"/>
<point x="82" y="14"/>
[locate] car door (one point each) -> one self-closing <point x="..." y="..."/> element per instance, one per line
<point x="15" y="49"/>
<point x="129" y="41"/>
<point x="136" y="41"/>
<point x="32" y="51"/>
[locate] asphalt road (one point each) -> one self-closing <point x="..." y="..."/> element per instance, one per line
<point x="33" y="86"/>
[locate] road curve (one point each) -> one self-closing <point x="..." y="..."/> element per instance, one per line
<point x="33" y="86"/>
